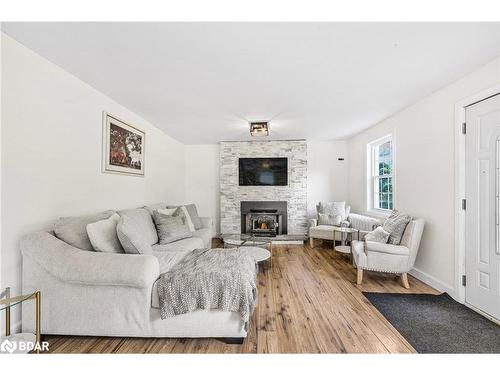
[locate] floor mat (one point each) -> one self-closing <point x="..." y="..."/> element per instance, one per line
<point x="437" y="323"/>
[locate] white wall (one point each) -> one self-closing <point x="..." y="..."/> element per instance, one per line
<point x="51" y="153"/>
<point x="424" y="141"/>
<point x="202" y="181"/>
<point x="326" y="176"/>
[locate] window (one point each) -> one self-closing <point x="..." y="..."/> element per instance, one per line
<point x="381" y="180"/>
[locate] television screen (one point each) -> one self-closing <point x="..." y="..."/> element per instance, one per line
<point x="263" y="171"/>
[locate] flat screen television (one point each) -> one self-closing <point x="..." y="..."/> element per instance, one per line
<point x="263" y="171"/>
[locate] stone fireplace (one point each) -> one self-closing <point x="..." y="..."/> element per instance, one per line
<point x="265" y="219"/>
<point x="293" y="214"/>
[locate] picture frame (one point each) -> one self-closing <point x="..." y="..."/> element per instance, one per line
<point x="123" y="147"/>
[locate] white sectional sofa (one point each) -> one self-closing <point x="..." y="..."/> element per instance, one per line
<point x="107" y="294"/>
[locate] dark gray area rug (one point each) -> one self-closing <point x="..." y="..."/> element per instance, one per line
<point x="437" y="323"/>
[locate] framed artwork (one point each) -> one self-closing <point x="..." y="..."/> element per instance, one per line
<point x="123" y="147"/>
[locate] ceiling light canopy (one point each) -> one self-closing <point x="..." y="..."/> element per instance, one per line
<point x="259" y="129"/>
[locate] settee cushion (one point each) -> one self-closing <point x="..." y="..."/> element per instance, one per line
<point x="132" y="236"/>
<point x="332" y="209"/>
<point x="102" y="235"/>
<point x="73" y="230"/>
<point x="142" y="220"/>
<point x="327" y="219"/>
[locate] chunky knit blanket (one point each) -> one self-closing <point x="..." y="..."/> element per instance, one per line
<point x="224" y="279"/>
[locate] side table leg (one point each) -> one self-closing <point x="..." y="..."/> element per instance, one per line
<point x="38" y="302"/>
<point x="271" y="251"/>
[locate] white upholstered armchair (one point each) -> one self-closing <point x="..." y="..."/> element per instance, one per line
<point x="381" y="257"/>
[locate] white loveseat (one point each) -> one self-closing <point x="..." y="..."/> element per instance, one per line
<point x="106" y="294"/>
<point x="363" y="223"/>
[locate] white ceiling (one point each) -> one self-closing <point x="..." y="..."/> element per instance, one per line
<point x="201" y="82"/>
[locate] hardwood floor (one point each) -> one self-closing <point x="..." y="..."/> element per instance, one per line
<point x="308" y="303"/>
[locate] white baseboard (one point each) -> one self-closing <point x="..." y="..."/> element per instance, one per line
<point x="433" y="282"/>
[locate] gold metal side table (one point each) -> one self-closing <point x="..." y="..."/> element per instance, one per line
<point x="346" y="235"/>
<point x="8" y="302"/>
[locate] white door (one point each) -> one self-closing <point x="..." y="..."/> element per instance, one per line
<point x="482" y="242"/>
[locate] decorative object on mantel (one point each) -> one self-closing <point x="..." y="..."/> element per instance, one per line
<point x="123" y="147"/>
<point x="259" y="129"/>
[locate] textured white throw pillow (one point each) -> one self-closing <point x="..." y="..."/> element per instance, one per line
<point x="188" y="219"/>
<point x="167" y="211"/>
<point x="377" y="235"/>
<point x="103" y="237"/>
<point x="172" y="211"/>
<point x="325" y="219"/>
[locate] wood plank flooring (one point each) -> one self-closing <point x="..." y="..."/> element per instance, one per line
<point x="308" y="303"/>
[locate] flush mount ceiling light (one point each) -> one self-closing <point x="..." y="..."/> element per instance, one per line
<point x="259" y="129"/>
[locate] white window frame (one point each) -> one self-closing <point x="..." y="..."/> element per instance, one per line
<point x="371" y="177"/>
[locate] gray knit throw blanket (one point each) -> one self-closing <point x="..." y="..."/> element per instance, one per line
<point x="224" y="279"/>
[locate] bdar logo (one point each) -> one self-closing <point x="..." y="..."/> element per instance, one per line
<point x="8" y="346"/>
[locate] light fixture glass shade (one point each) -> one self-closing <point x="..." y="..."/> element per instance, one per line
<point x="259" y="129"/>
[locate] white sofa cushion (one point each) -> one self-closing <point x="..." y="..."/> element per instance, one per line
<point x="171" y="227"/>
<point x="102" y="235"/>
<point x="166" y="211"/>
<point x="181" y="246"/>
<point x="73" y="230"/>
<point x="142" y="220"/>
<point x="193" y="215"/>
<point x="132" y="236"/>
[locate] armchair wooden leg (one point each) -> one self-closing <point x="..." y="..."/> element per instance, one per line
<point x="360" y="276"/>
<point x="311" y="242"/>
<point x="404" y="279"/>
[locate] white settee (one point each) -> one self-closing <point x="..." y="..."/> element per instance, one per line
<point x="107" y="294"/>
<point x="363" y="223"/>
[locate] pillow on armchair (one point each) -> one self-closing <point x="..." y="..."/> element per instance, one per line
<point x="332" y="209"/>
<point x="395" y="225"/>
<point x="378" y="235"/>
<point x="326" y="219"/>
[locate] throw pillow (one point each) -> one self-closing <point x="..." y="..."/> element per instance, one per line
<point x="180" y="211"/>
<point x="142" y="220"/>
<point x="193" y="214"/>
<point x="73" y="230"/>
<point x="183" y="213"/>
<point x="332" y="209"/>
<point x="171" y="227"/>
<point x="395" y="225"/>
<point x="377" y="235"/>
<point x="166" y="211"/>
<point x="103" y="237"/>
<point x="325" y="219"/>
<point x="132" y="237"/>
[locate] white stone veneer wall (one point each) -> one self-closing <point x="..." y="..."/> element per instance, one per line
<point x="295" y="193"/>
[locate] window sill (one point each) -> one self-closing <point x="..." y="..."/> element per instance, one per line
<point x="378" y="213"/>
